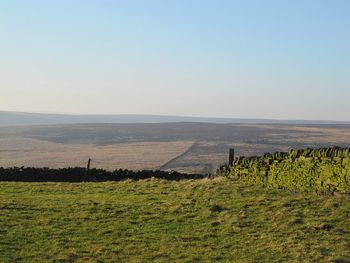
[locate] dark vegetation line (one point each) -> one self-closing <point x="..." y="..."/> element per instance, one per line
<point x="78" y="174"/>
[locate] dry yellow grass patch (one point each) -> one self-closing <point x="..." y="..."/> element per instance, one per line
<point x="144" y="155"/>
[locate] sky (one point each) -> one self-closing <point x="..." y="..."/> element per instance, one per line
<point x="242" y="59"/>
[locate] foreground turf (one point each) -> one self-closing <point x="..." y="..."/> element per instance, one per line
<point x="161" y="221"/>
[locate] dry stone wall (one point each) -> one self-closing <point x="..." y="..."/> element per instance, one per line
<point x="320" y="170"/>
<point x="78" y="174"/>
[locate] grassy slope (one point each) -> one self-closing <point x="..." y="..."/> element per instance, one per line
<point x="163" y="221"/>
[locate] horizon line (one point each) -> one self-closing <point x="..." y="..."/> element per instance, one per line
<point x="175" y="116"/>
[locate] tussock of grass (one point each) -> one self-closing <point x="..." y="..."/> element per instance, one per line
<point x="165" y="221"/>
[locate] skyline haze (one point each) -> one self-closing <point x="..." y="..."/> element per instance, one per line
<point x="228" y="59"/>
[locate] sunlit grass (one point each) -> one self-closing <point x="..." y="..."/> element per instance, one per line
<point x="164" y="221"/>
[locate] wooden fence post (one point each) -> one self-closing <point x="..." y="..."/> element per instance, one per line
<point x="88" y="165"/>
<point x="231" y="157"/>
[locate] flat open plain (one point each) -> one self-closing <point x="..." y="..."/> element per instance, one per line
<point x="186" y="147"/>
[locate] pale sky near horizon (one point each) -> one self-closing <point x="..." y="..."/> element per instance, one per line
<point x="246" y="59"/>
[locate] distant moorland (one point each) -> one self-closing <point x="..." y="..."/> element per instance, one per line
<point x="29" y="118"/>
<point x="185" y="146"/>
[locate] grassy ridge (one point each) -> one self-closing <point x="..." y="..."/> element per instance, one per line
<point x="166" y="221"/>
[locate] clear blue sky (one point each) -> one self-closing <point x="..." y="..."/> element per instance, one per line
<point x="260" y="59"/>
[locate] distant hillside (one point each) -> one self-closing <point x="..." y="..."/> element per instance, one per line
<point x="26" y="118"/>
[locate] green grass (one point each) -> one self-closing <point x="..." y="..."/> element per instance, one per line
<point x="217" y="220"/>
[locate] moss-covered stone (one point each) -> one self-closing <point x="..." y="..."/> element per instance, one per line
<point x="321" y="170"/>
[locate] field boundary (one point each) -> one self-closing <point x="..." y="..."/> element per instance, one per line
<point x="319" y="170"/>
<point x="78" y="174"/>
<point x="163" y="167"/>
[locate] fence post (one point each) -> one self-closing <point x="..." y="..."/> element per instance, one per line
<point x="88" y="165"/>
<point x="231" y="157"/>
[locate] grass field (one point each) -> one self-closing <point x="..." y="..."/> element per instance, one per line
<point x="218" y="220"/>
